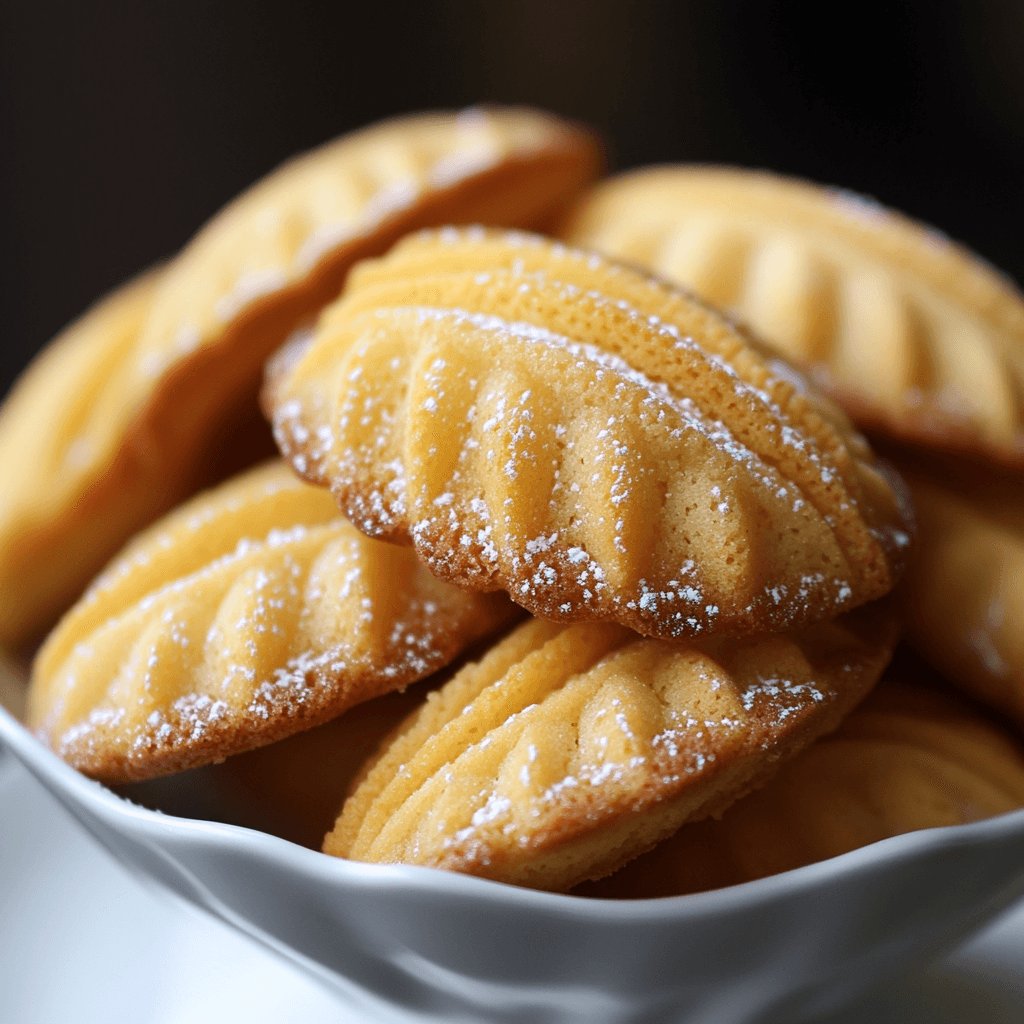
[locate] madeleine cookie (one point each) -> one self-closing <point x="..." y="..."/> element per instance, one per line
<point x="122" y="417"/>
<point x="915" y="334"/>
<point x="569" y="750"/>
<point x="963" y="597"/>
<point x="54" y="520"/>
<point x="291" y="788"/>
<point x="906" y="759"/>
<point x="594" y="442"/>
<point x="248" y="614"/>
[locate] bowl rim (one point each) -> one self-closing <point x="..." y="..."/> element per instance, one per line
<point x="60" y="778"/>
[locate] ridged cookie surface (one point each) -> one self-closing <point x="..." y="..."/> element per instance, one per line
<point x="906" y="759"/>
<point x="570" y="749"/>
<point x="50" y="428"/>
<point x="589" y="439"/>
<point x="156" y="378"/>
<point x="963" y="597"/>
<point x="248" y="614"/>
<point x="917" y="335"/>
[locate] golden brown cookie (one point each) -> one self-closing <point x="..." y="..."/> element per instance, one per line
<point x="121" y="418"/>
<point x="53" y="519"/>
<point x="906" y="759"/>
<point x="915" y="334"/>
<point x="12" y="688"/>
<point x="963" y="596"/>
<point x="600" y="445"/>
<point x="248" y="614"/>
<point x="292" y="788"/>
<point x="569" y="750"/>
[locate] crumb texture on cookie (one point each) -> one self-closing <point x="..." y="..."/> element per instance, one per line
<point x="250" y="613"/>
<point x="126" y="414"/>
<point x="916" y="334"/>
<point x="906" y="759"/>
<point x="568" y="750"/>
<point x="600" y="445"/>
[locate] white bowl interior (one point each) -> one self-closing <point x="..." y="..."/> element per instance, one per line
<point x="412" y="944"/>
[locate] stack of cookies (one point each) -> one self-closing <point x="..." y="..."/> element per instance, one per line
<point x="640" y="555"/>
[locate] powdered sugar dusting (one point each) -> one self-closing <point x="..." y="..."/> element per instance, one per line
<point x="547" y="563"/>
<point x="658" y="732"/>
<point x="247" y="288"/>
<point x="492" y="446"/>
<point x="210" y="642"/>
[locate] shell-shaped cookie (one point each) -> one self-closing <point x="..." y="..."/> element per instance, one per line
<point x="963" y="596"/>
<point x="568" y="750"/>
<point x="121" y="418"/>
<point x="291" y="788"/>
<point x="915" y="334"/>
<point x="52" y="431"/>
<point x="587" y="438"/>
<point x="250" y="613"/>
<point x="906" y="759"/>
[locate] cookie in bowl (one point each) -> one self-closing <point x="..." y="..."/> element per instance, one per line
<point x="146" y="392"/>
<point x="568" y="750"/>
<point x="597" y="443"/>
<point x="48" y="534"/>
<point x="908" y="758"/>
<point x="963" y="596"/>
<point x="916" y="335"/>
<point x="250" y="613"/>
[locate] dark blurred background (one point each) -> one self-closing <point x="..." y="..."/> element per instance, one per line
<point x="125" y="125"/>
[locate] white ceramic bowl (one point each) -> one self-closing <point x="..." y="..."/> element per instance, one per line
<point x="408" y="944"/>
